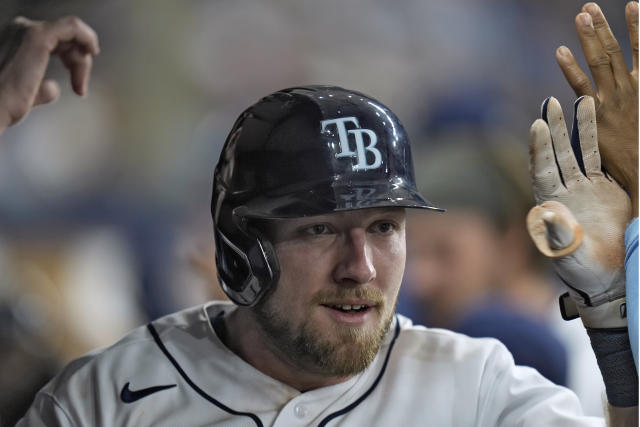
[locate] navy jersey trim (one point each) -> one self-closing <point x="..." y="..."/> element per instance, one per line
<point x="156" y="338"/>
<point x="373" y="386"/>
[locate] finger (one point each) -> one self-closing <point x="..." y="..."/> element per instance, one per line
<point x="27" y="67"/>
<point x="554" y="230"/>
<point x="12" y="36"/>
<point x="631" y="15"/>
<point x="597" y="58"/>
<point x="585" y="113"/>
<point x="609" y="43"/>
<point x="577" y="79"/>
<point x="72" y="29"/>
<point x="544" y="171"/>
<point x="569" y="169"/>
<point x="559" y="235"/>
<point x="79" y="64"/>
<point x="575" y="137"/>
<point x="49" y="92"/>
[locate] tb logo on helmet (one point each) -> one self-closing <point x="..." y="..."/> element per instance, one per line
<point x="361" y="149"/>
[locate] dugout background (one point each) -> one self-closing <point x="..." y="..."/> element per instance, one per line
<point x="104" y="201"/>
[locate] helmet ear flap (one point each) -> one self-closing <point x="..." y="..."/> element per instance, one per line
<point x="247" y="264"/>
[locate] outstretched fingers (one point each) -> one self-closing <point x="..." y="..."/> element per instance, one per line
<point x="588" y="132"/>
<point x="596" y="55"/>
<point x="608" y="45"/>
<point x="544" y="172"/>
<point x="565" y="156"/>
<point x="577" y="78"/>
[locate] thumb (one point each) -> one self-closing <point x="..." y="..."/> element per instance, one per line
<point x="558" y="233"/>
<point x="48" y="92"/>
<point x="554" y="229"/>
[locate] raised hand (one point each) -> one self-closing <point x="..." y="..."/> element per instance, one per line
<point x="581" y="217"/>
<point x="25" y="49"/>
<point x="615" y="92"/>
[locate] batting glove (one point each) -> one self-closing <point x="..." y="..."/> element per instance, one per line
<point x="581" y="214"/>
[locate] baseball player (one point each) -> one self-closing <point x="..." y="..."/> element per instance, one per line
<point x="308" y="206"/>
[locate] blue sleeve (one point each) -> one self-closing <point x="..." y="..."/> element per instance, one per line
<point x="631" y="267"/>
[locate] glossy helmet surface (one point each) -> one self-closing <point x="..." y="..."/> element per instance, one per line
<point x="299" y="152"/>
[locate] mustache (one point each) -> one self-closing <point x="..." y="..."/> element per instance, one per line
<point x="326" y="296"/>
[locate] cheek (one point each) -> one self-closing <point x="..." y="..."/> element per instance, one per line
<point x="391" y="262"/>
<point x="302" y="269"/>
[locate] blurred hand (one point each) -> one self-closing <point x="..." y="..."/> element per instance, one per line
<point x="616" y="98"/>
<point x="582" y="217"/>
<point x="25" y="49"/>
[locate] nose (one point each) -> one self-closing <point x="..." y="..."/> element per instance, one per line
<point x="355" y="265"/>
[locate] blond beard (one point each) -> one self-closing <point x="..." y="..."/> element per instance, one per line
<point x="341" y="351"/>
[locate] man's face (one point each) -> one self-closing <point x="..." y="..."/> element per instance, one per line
<point x="339" y="279"/>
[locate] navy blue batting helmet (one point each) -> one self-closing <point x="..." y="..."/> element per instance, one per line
<point x="299" y="152"/>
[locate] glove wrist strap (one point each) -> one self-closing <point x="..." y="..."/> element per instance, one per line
<point x="609" y="315"/>
<point x="613" y="353"/>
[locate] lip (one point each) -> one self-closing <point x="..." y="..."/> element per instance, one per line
<point x="351" y="319"/>
<point x="351" y="301"/>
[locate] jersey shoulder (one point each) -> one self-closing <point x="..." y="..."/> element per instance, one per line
<point x="136" y="359"/>
<point x="442" y="345"/>
<point x="480" y="374"/>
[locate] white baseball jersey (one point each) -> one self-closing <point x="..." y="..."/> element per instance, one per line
<point x="176" y="372"/>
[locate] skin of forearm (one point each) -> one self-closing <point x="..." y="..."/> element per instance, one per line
<point x="622" y="417"/>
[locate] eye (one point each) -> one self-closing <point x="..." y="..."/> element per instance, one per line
<point x="317" y="229"/>
<point x="384" y="227"/>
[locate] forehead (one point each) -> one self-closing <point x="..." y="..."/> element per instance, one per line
<point x="358" y="217"/>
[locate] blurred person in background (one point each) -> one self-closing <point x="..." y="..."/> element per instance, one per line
<point x="475" y="270"/>
<point x="28" y="357"/>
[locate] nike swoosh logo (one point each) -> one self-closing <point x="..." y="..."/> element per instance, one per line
<point x="129" y="396"/>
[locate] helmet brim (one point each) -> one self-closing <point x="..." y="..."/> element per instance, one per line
<point x="334" y="198"/>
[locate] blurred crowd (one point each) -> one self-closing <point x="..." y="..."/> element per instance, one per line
<point x="104" y="201"/>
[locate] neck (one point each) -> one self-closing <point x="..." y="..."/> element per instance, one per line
<point x="255" y="348"/>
